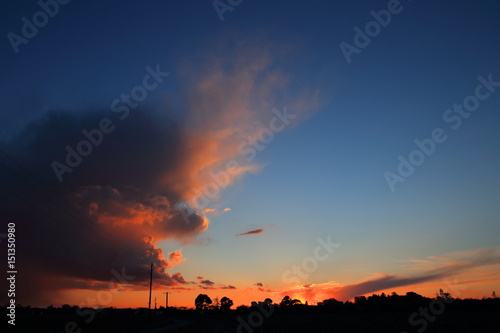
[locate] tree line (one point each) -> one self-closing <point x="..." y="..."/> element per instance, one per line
<point x="375" y="302"/>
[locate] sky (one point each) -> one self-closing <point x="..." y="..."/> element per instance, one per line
<point x="249" y="149"/>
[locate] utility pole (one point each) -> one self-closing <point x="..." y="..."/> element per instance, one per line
<point x="166" y="298"/>
<point x="155" y="302"/>
<point x="150" y="286"/>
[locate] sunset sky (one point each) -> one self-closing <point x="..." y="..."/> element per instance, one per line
<point x="250" y="151"/>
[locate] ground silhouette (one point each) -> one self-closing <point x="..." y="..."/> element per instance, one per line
<point x="376" y="313"/>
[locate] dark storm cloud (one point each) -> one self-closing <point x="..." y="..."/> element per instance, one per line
<point x="108" y="208"/>
<point x="107" y="213"/>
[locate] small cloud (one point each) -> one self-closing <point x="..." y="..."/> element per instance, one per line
<point x="257" y="230"/>
<point x="259" y="284"/>
<point x="175" y="258"/>
<point x="179" y="278"/>
<point x="251" y="232"/>
<point x="228" y="287"/>
<point x="207" y="282"/>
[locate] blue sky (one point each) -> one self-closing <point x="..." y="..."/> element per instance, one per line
<point x="324" y="174"/>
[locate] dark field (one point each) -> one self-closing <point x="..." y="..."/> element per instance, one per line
<point x="475" y="316"/>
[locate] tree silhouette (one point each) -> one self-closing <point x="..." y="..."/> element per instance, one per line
<point x="202" y="302"/>
<point x="332" y="303"/>
<point x="287" y="301"/>
<point x="444" y="295"/>
<point x="226" y="303"/>
<point x="267" y="304"/>
<point x="242" y="308"/>
<point x="360" y="300"/>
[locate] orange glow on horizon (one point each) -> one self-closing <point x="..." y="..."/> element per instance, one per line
<point x="185" y="298"/>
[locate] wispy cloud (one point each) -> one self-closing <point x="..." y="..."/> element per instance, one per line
<point x="477" y="266"/>
<point x="433" y="269"/>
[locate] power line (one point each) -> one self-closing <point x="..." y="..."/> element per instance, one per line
<point x="150" y="286"/>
